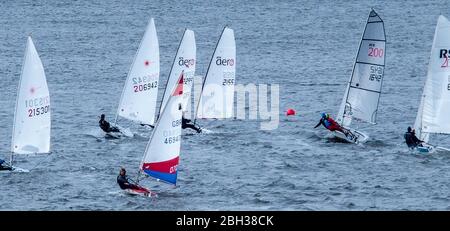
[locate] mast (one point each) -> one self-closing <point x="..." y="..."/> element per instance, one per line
<point x="341" y="113"/>
<point x="206" y="75"/>
<point x="384" y="61"/>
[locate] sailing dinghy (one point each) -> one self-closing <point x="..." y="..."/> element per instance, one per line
<point x="362" y="94"/>
<point x="32" y="121"/>
<point x="434" y="108"/>
<point x="138" y="99"/>
<point x="217" y="94"/>
<point x="161" y="155"/>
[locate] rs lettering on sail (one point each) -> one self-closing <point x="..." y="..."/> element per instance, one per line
<point x="443" y="54"/>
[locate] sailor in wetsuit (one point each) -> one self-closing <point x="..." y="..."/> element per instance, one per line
<point x="122" y="180"/>
<point x="3" y="166"/>
<point x="186" y="123"/>
<point x="105" y="126"/>
<point x="330" y="124"/>
<point x="411" y="139"/>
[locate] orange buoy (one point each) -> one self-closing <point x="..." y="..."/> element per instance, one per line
<point x="290" y="112"/>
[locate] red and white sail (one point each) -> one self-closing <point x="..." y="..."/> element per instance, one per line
<point x="184" y="61"/>
<point x="162" y="153"/>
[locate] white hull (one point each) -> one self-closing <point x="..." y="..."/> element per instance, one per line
<point x="140" y="193"/>
<point x="356" y="138"/>
<point x="443" y="149"/>
<point x="425" y="149"/>
<point x="117" y="135"/>
<point x="113" y="135"/>
<point x="15" y="169"/>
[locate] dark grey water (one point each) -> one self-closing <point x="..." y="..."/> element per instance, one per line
<point x="307" y="48"/>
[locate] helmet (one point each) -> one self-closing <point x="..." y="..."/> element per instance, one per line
<point x="409" y="129"/>
<point x="324" y="115"/>
<point x="102" y="116"/>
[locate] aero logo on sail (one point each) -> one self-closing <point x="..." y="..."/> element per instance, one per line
<point x="186" y="62"/>
<point x="224" y="62"/>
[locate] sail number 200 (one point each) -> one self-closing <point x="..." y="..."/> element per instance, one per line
<point x="376" y="52"/>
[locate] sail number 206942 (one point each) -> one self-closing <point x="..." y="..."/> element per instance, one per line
<point x="144" y="83"/>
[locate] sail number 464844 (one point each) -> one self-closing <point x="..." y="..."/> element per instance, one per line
<point x="172" y="139"/>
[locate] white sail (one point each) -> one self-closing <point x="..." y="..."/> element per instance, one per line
<point x="138" y="101"/>
<point x="217" y="97"/>
<point x="363" y="92"/>
<point x="434" y="109"/>
<point x="185" y="60"/>
<point x="161" y="156"/>
<point x="32" y="121"/>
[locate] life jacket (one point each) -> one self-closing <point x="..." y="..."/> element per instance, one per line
<point x="329" y="123"/>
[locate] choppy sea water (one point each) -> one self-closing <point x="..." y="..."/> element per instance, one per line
<point x="306" y="47"/>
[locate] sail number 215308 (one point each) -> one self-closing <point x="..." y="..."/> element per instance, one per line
<point x="37" y="106"/>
